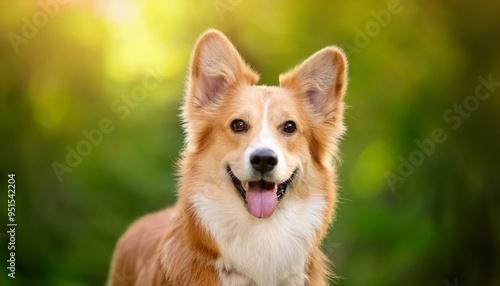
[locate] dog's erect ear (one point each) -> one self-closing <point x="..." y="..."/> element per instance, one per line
<point x="322" y="79"/>
<point x="215" y="65"/>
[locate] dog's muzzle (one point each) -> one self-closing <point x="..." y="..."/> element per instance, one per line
<point x="260" y="197"/>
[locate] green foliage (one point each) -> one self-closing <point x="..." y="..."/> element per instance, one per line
<point x="411" y="211"/>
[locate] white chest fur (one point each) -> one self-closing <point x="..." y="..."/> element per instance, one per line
<point x="262" y="252"/>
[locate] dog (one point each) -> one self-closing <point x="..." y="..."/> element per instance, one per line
<point x="257" y="184"/>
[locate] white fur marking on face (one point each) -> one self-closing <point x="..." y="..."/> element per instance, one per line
<point x="265" y="139"/>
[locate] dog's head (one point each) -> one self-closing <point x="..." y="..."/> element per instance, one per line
<point x="267" y="142"/>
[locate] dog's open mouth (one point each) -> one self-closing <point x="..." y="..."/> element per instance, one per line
<point x="261" y="197"/>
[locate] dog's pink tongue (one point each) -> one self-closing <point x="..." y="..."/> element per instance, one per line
<point x="261" y="202"/>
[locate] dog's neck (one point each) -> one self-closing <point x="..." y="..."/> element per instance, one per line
<point x="272" y="251"/>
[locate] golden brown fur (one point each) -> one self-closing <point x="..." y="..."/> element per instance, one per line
<point x="195" y="241"/>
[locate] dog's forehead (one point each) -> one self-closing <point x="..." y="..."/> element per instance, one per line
<point x="267" y="93"/>
<point x="260" y="101"/>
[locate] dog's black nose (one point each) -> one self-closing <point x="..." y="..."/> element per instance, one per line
<point x="263" y="160"/>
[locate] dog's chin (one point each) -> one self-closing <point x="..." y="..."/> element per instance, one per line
<point x="260" y="197"/>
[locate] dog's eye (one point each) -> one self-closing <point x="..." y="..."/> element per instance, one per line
<point x="289" y="127"/>
<point x="238" y="126"/>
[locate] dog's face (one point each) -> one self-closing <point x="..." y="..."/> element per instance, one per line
<point x="265" y="141"/>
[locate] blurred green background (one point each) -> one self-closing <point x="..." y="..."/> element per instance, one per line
<point x="420" y="181"/>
